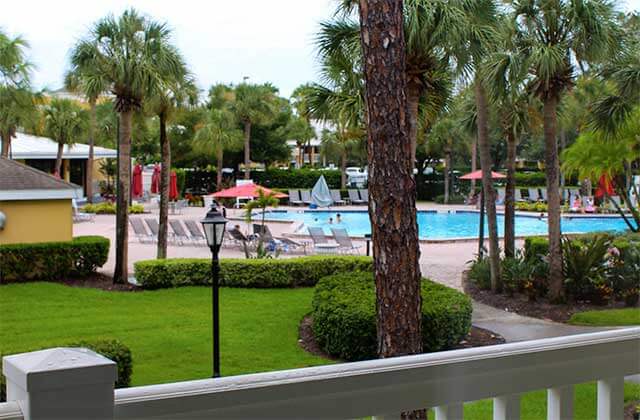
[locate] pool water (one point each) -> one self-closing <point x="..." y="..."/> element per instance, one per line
<point x="432" y="225"/>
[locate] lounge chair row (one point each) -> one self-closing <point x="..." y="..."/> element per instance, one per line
<point x="303" y="197"/>
<point x="192" y="235"/>
<point x="281" y="243"/>
<point x="532" y="195"/>
<point x="342" y="244"/>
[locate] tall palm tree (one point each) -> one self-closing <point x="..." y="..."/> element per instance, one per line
<point x="553" y="35"/>
<point x="219" y="133"/>
<point x="253" y="104"/>
<point x="134" y="56"/>
<point x="92" y="86"/>
<point x="341" y="141"/>
<point x="65" y="122"/>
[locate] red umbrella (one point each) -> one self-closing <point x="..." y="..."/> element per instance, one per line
<point x="478" y="175"/>
<point x="173" y="186"/>
<point x="604" y="186"/>
<point x="247" y="190"/>
<point x="136" y="187"/>
<point x="155" y="179"/>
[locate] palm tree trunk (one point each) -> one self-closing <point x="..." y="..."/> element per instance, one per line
<point x="247" y="149"/>
<point x="509" y="197"/>
<point x="392" y="203"/>
<point x="447" y="164"/>
<point x="165" y="173"/>
<point x="121" y="271"/>
<point x="343" y="169"/>
<point x="413" y="100"/>
<point x="6" y="143"/>
<point x="552" y="169"/>
<point x="89" y="167"/>
<point x="487" y="184"/>
<point x="58" y="166"/>
<point x="474" y="162"/>
<point x="220" y="155"/>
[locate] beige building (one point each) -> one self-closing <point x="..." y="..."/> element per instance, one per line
<point x="34" y="206"/>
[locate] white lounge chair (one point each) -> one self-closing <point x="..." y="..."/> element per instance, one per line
<point x="294" y="198"/>
<point x="79" y="216"/>
<point x="354" y="197"/>
<point x="305" y="196"/>
<point x="336" y="197"/>
<point x="342" y="238"/>
<point x="179" y="234"/>
<point x="320" y="242"/>
<point x="534" y="195"/>
<point x="196" y="233"/>
<point x="518" y="194"/>
<point x="501" y="195"/>
<point x="140" y="231"/>
<point x="543" y="194"/>
<point x="364" y="195"/>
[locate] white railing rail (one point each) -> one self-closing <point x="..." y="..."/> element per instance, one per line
<point x="384" y="388"/>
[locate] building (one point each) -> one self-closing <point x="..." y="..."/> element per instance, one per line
<point x="34" y="206"/>
<point x="40" y="153"/>
<point x="309" y="152"/>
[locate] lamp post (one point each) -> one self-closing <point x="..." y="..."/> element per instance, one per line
<point x="214" y="224"/>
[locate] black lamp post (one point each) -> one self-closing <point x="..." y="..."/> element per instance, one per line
<point x="214" y="225"/>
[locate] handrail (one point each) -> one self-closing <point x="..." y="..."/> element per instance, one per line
<point x="397" y="384"/>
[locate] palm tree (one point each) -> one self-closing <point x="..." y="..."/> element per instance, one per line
<point x="91" y="86"/>
<point x="253" y="104"/>
<point x="64" y="122"/>
<point x="341" y="141"/>
<point x="220" y="133"/>
<point x="553" y="35"/>
<point x="133" y="55"/>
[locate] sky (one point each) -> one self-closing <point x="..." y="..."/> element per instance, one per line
<point x="222" y="41"/>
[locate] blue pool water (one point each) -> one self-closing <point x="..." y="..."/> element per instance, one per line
<point x="448" y="225"/>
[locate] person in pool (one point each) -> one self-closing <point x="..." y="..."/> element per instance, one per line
<point x="338" y="218"/>
<point x="331" y="220"/>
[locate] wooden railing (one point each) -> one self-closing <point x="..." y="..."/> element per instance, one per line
<point x="385" y="388"/>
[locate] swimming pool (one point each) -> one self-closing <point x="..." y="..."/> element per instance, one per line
<point x="433" y="225"/>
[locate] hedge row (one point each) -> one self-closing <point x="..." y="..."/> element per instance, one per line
<point x="110" y="208"/>
<point x="111" y="349"/>
<point x="52" y="261"/>
<point x="295" y="178"/>
<point x="259" y="273"/>
<point x="344" y="316"/>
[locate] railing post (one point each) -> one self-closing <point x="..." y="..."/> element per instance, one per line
<point x="611" y="398"/>
<point x="506" y="407"/>
<point x="64" y="383"/>
<point x="560" y="403"/>
<point x="449" y="412"/>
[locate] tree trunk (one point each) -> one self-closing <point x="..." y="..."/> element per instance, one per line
<point x="220" y="155"/>
<point x="413" y="100"/>
<point x="165" y="174"/>
<point x="89" y="167"/>
<point x="6" y="143"/>
<point x="58" y="167"/>
<point x="343" y="169"/>
<point x="121" y="271"/>
<point x="509" y="198"/>
<point x="247" y="149"/>
<point x="487" y="184"/>
<point x="474" y="162"/>
<point x="552" y="169"/>
<point x="447" y="164"/>
<point x="392" y="207"/>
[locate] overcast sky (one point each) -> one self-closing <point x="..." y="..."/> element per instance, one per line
<point x="222" y="41"/>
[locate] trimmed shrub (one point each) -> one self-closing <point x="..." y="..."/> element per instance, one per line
<point x="295" y="178"/>
<point x="453" y="199"/>
<point x="259" y="273"/>
<point x="535" y="207"/>
<point x="535" y="246"/>
<point x="480" y="272"/>
<point x="51" y="261"/>
<point x="111" y="349"/>
<point x="344" y="316"/>
<point x="108" y="207"/>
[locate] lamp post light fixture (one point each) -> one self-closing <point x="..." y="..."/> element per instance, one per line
<point x="214" y="226"/>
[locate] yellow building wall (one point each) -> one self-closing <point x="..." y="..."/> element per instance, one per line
<point x="31" y="221"/>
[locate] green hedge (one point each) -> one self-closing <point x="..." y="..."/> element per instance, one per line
<point x="453" y="199"/>
<point x="535" y="246"/>
<point x="110" y="208"/>
<point x="344" y="316"/>
<point x="111" y="349"/>
<point x="295" y="178"/>
<point x="52" y="261"/>
<point x="260" y="273"/>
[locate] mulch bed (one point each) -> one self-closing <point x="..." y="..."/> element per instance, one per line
<point x="477" y="337"/>
<point x="630" y="410"/>
<point x="520" y="304"/>
<point x="99" y="281"/>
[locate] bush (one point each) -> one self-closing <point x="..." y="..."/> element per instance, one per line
<point x="261" y="273"/>
<point x="344" y="316"/>
<point x="295" y="178"/>
<point x="111" y="349"/>
<point x="453" y="199"/>
<point x="516" y="272"/>
<point x="110" y="208"/>
<point x="534" y="207"/>
<point x="585" y="268"/>
<point x="535" y="247"/>
<point x="52" y="261"/>
<point x="480" y="272"/>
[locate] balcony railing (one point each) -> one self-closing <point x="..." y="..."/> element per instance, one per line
<point x="381" y="388"/>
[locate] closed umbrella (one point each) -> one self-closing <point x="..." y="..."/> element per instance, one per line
<point x="155" y="179"/>
<point x="320" y="194"/>
<point x="173" y="186"/>
<point x="136" y="181"/>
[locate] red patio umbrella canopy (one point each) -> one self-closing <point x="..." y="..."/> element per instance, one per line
<point x="478" y="175"/>
<point x="605" y="186"/>
<point x="247" y="190"/>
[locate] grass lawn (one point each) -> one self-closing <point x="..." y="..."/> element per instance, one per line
<point x="169" y="333"/>
<point x="608" y="317"/>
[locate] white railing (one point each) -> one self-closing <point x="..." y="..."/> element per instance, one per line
<point x="385" y="388"/>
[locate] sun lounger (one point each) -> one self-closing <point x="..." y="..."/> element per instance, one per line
<point x="342" y="238"/>
<point x="354" y="197"/>
<point x="518" y="195"/>
<point x="320" y="243"/>
<point x="364" y="195"/>
<point x="153" y="226"/>
<point x="543" y="194"/>
<point x="294" y="198"/>
<point x="79" y="216"/>
<point x="534" y="195"/>
<point x="196" y="233"/>
<point x="179" y="234"/>
<point x="305" y="196"/>
<point x="336" y="197"/>
<point x="140" y="231"/>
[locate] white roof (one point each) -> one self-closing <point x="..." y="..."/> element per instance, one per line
<point x="27" y="146"/>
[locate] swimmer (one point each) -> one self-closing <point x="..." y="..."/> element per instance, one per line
<point x="338" y="218"/>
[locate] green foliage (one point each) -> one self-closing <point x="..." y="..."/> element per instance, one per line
<point x="535" y="207"/>
<point x="480" y="272"/>
<point x="453" y="199"/>
<point x="108" y="207"/>
<point x="516" y="272"/>
<point x="535" y="247"/>
<point x="295" y="178"/>
<point x="111" y="349"/>
<point x="260" y="273"/>
<point x="52" y="261"/>
<point x="585" y="268"/>
<point x="607" y="317"/>
<point x="344" y="316"/>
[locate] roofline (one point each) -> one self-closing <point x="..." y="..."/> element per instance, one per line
<point x="40" y="194"/>
<point x="27" y="156"/>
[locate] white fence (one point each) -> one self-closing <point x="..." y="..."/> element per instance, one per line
<point x="382" y="388"/>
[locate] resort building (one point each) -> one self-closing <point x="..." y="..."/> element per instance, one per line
<point x="34" y="206"/>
